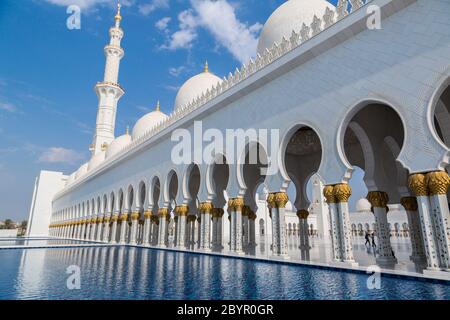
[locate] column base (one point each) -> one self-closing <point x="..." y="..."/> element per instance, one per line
<point x="386" y="260"/>
<point x="352" y="264"/>
<point x="440" y="274"/>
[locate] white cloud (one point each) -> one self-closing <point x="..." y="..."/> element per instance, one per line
<point x="219" y="18"/>
<point x="163" y="23"/>
<point x="89" y="4"/>
<point x="175" y="72"/>
<point x="187" y="33"/>
<point x="60" y="155"/>
<point x="153" y="5"/>
<point x="8" y="107"/>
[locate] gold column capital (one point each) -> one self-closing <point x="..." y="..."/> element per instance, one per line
<point x="438" y="182"/>
<point x="328" y="193"/>
<point x="115" y="217"/>
<point x="182" y="210"/>
<point x="277" y="200"/>
<point x="107" y="219"/>
<point x="163" y="212"/>
<point x="124" y="217"/>
<point x="100" y="220"/>
<point x="302" y="214"/>
<point x="135" y="216"/>
<point x="206" y="207"/>
<point x="418" y="184"/>
<point x="342" y="192"/>
<point x="378" y="199"/>
<point x="409" y="203"/>
<point x="147" y="214"/>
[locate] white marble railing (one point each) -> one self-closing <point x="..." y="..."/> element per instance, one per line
<point x="329" y="18"/>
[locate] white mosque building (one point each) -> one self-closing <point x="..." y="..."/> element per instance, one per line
<point x="334" y="88"/>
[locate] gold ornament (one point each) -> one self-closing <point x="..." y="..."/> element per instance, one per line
<point x="328" y="193"/>
<point x="124" y="217"/>
<point x="302" y="214"/>
<point x="163" y="212"/>
<point x="115" y="218"/>
<point x="378" y="199"/>
<point x="271" y="200"/>
<point x="182" y="210"/>
<point x="281" y="198"/>
<point x="135" y="216"/>
<point x="409" y="203"/>
<point x="147" y="214"/>
<point x="231" y="205"/>
<point x="238" y="204"/>
<point x="418" y="184"/>
<point x="342" y="192"/>
<point x="438" y="182"/>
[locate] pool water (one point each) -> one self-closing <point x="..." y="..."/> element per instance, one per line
<point x="5" y="242"/>
<point x="138" y="273"/>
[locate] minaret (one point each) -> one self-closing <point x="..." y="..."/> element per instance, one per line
<point x="109" y="91"/>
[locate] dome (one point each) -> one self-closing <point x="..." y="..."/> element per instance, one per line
<point x="147" y="122"/>
<point x="363" y="205"/>
<point x="82" y="171"/>
<point x="288" y="206"/>
<point x="288" y="17"/>
<point x="117" y="145"/>
<point x="96" y="160"/>
<point x="195" y="86"/>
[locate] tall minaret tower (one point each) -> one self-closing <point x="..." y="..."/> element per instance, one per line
<point x="109" y="91"/>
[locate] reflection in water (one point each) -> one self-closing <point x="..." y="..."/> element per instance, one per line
<point x="134" y="273"/>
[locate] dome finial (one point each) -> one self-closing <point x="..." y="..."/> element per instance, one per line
<point x="206" y="69"/>
<point x="158" y="107"/>
<point x="118" y="17"/>
<point x="127" y="131"/>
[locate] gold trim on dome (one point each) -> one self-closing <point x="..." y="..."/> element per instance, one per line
<point x="378" y="199"/>
<point x="417" y="183"/>
<point x="438" y="182"/>
<point x="342" y="192"/>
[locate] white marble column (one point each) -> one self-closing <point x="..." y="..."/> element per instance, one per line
<point x="163" y="217"/>
<point x="113" y="233"/>
<point x="379" y="201"/>
<point x="123" y="228"/>
<point x="418" y="184"/>
<point x="198" y="234"/>
<point x="147" y="227"/>
<point x="303" y="229"/>
<point x="93" y="228"/>
<point x="415" y="232"/>
<point x="277" y="203"/>
<point x="134" y="227"/>
<point x="100" y="220"/>
<point x="251" y="229"/>
<point x="106" y="227"/>
<point x="438" y="184"/>
<point x="245" y="227"/>
<point x="182" y="212"/>
<point x="342" y="193"/>
<point x="236" y="206"/>
<point x="232" y="218"/>
<point x="205" y="210"/>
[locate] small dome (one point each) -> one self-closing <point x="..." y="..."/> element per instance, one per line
<point x="288" y="206"/>
<point x="117" y="145"/>
<point x="194" y="87"/>
<point x="289" y="17"/>
<point x="96" y="160"/>
<point x="363" y="205"/>
<point x="82" y="171"/>
<point x="147" y="122"/>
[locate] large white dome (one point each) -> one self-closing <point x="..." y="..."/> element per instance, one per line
<point x="363" y="205"/>
<point x="288" y="17"/>
<point x="117" y="145"/>
<point x="194" y="87"/>
<point x="147" y="122"/>
<point x="96" y="160"/>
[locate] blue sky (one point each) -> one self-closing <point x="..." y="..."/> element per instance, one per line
<point x="47" y="73"/>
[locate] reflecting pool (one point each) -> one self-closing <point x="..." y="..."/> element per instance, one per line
<point x="137" y="273"/>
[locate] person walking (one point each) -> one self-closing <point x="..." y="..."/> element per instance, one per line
<point x="367" y="239"/>
<point x="373" y="240"/>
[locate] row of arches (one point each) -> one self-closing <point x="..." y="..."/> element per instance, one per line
<point x="372" y="139"/>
